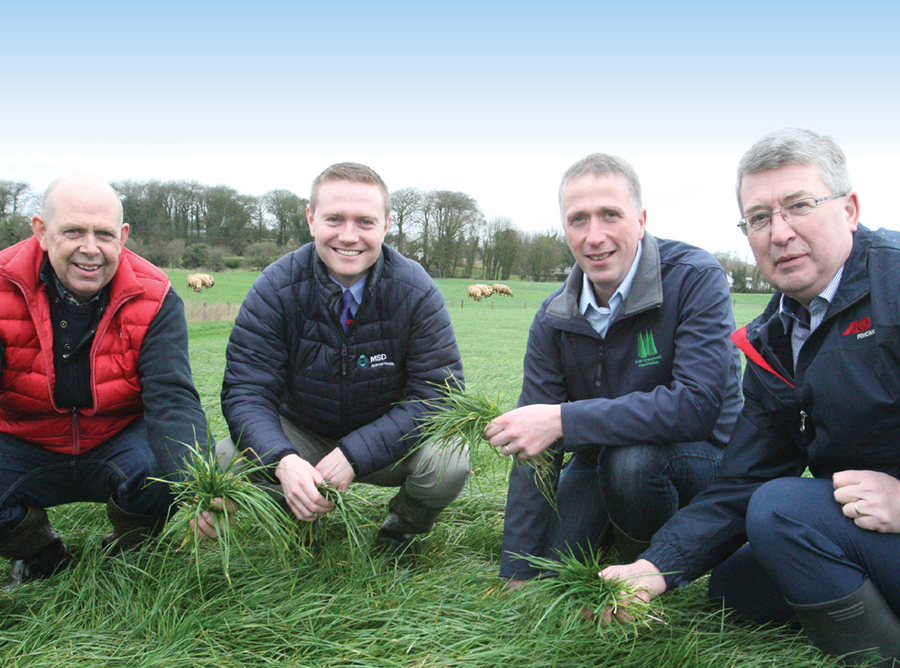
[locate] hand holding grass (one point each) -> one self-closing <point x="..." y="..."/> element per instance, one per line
<point x="204" y="525"/>
<point x="300" y="483"/>
<point x="646" y="583"/>
<point x="336" y="469"/>
<point x="526" y="432"/>
<point x="579" y="589"/>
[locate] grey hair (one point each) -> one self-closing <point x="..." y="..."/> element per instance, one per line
<point x="602" y="164"/>
<point x="796" y="146"/>
<point x="49" y="200"/>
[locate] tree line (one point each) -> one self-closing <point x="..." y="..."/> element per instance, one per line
<point x="191" y="225"/>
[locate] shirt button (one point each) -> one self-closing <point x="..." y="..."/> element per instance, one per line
<point x="67" y="347"/>
<point x="63" y="324"/>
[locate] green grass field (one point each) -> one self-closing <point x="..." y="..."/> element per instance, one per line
<point x="333" y="607"/>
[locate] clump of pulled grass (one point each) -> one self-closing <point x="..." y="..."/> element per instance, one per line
<point x="346" y="513"/>
<point x="572" y="591"/>
<point x="456" y="420"/>
<point x="226" y="493"/>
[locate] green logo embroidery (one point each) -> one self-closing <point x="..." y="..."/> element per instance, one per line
<point x="647" y="354"/>
<point x="362" y="361"/>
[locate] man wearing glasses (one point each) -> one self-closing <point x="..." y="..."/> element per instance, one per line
<point x="821" y="393"/>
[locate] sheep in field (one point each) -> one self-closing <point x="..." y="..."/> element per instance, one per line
<point x="475" y="292"/>
<point x="197" y="282"/>
<point x="501" y="289"/>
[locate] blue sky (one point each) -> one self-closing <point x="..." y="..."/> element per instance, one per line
<point x="494" y="99"/>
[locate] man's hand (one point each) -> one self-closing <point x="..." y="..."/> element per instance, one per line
<point x="299" y="481"/>
<point x="205" y="525"/>
<point x="641" y="576"/>
<point x="336" y="469"/>
<point x="871" y="499"/>
<point x="527" y="431"/>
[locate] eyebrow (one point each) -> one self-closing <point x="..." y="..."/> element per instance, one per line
<point x="800" y="194"/>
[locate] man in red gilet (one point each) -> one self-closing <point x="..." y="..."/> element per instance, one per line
<point x="96" y="394"/>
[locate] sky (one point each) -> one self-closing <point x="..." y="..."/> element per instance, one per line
<point x="495" y="99"/>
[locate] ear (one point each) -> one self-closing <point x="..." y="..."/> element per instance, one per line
<point x="309" y="219"/>
<point x="124" y="234"/>
<point x="642" y="221"/>
<point x="39" y="227"/>
<point x="851" y="211"/>
<point x="387" y="223"/>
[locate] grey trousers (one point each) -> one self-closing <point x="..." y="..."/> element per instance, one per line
<point x="432" y="475"/>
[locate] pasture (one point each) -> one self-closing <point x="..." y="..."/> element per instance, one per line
<point x="333" y="607"/>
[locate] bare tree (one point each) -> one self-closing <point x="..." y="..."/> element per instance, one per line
<point x="406" y="205"/>
<point x="289" y="212"/>
<point x="449" y="217"/>
<point x="14" y="197"/>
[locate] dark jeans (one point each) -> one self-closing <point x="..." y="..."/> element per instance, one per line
<point x="635" y="487"/>
<point x="33" y="476"/>
<point x="802" y="548"/>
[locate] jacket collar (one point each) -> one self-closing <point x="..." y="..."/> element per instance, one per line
<point x="646" y="290"/>
<point x="854" y="285"/>
<point x="334" y="290"/>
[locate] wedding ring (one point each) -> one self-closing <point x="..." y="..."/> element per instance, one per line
<point x="856" y="508"/>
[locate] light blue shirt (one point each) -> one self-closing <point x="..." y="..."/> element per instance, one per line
<point x="599" y="317"/>
<point x="356" y="290"/>
<point x="801" y="322"/>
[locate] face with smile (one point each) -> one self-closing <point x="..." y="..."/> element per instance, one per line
<point x="799" y="257"/>
<point x="83" y="234"/>
<point x="602" y="229"/>
<point x="348" y="226"/>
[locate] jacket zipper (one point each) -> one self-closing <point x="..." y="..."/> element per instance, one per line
<point x="76" y="441"/>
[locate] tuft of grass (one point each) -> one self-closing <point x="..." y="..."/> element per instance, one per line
<point x="203" y="483"/>
<point x="348" y="513"/>
<point x="577" y="592"/>
<point x="457" y="419"/>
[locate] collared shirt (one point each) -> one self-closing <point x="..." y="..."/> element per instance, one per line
<point x="599" y="317"/>
<point x="356" y="290"/>
<point x="801" y="322"/>
<point x="48" y="275"/>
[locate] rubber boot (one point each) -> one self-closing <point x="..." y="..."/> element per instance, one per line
<point x="129" y="529"/>
<point x="406" y="518"/>
<point x="35" y="548"/>
<point x="860" y="628"/>
<point x="627" y="547"/>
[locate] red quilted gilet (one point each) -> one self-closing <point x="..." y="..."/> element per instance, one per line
<point x="27" y="410"/>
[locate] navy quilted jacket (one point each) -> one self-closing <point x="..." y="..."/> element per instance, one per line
<point x="288" y="356"/>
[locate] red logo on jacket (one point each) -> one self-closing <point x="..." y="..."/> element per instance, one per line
<point x="859" y="326"/>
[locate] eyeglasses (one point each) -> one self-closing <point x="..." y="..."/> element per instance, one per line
<point x="757" y="222"/>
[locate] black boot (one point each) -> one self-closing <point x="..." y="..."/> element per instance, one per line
<point x="405" y="519"/>
<point x="858" y="627"/>
<point x="35" y="548"/>
<point x="129" y="529"/>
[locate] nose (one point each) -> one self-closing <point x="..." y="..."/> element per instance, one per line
<point x="347" y="233"/>
<point x="89" y="244"/>
<point x="781" y="231"/>
<point x="596" y="232"/>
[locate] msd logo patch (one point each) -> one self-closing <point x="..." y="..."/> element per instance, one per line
<point x="862" y="328"/>
<point x="376" y="360"/>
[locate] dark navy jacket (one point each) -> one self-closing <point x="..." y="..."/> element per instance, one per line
<point x="665" y="373"/>
<point x="838" y="410"/>
<point x="288" y="356"/>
